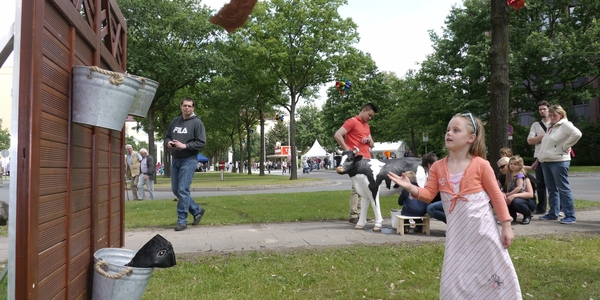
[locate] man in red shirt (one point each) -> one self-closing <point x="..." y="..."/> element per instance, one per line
<point x="356" y="132"/>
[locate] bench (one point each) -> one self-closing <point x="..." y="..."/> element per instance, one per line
<point x="426" y="224"/>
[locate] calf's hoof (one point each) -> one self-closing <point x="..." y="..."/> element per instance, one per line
<point x="377" y="229"/>
<point x="359" y="227"/>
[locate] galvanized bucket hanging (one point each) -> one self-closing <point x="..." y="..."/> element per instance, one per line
<point x="102" y="98"/>
<point x="143" y="98"/>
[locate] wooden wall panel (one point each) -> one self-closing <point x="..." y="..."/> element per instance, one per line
<point x="54" y="103"/>
<point x="52" y="181"/>
<point x="52" y="233"/>
<point x="52" y="259"/>
<point x="70" y="200"/>
<point x="83" y="52"/>
<point x="54" y="285"/>
<point x="80" y="243"/>
<point x="53" y="206"/>
<point x="79" y="279"/>
<point x="80" y="200"/>
<point x="55" y="77"/>
<point x="53" y="155"/>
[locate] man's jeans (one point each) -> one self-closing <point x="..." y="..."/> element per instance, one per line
<point x="542" y="203"/>
<point x="556" y="176"/>
<point x="182" y="173"/>
<point x="436" y="211"/>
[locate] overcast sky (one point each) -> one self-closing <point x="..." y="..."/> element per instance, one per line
<point x="394" y="32"/>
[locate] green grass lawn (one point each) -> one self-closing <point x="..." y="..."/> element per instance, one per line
<point x="568" y="271"/>
<point x="584" y="169"/>
<point x="261" y="208"/>
<point x="251" y="208"/>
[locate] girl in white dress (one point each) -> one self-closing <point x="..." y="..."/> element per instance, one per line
<point x="477" y="264"/>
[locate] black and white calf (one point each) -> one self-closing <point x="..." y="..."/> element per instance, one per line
<point x="368" y="174"/>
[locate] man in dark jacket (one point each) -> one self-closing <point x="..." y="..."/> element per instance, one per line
<point x="147" y="175"/>
<point x="185" y="137"/>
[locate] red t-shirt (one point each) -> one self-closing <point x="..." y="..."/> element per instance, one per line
<point x="357" y="130"/>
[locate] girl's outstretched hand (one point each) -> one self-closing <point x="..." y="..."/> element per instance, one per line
<point x="402" y="181"/>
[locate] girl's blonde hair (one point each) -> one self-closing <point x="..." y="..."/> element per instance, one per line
<point x="510" y="175"/>
<point x="476" y="127"/>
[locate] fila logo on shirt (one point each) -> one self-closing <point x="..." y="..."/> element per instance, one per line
<point x="180" y="130"/>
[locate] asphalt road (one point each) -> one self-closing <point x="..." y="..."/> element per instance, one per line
<point x="583" y="185"/>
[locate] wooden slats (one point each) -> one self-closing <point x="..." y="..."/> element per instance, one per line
<point x="52" y="207"/>
<point x="52" y="259"/>
<point x="71" y="199"/>
<point x="54" y="103"/>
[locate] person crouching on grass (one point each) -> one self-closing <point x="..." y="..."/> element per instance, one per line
<point x="411" y="206"/>
<point x="476" y="260"/>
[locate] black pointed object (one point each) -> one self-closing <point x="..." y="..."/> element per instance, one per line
<point x="156" y="253"/>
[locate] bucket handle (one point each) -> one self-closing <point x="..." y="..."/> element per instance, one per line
<point x="141" y="79"/>
<point x="116" y="78"/>
<point x="101" y="263"/>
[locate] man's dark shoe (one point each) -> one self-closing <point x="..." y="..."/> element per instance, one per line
<point x="180" y="227"/>
<point x="353" y="220"/>
<point x="526" y="220"/>
<point x="198" y="217"/>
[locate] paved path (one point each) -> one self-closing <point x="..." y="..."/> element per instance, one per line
<point x="216" y="239"/>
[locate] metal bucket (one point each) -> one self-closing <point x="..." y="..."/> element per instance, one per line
<point x="112" y="280"/>
<point x="102" y="98"/>
<point x="143" y="97"/>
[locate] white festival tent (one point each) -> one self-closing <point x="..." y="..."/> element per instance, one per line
<point x="396" y="148"/>
<point x="317" y="151"/>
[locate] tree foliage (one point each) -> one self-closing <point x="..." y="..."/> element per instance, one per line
<point x="4" y="137"/>
<point x="309" y="127"/>
<point x="554" y="52"/>
<point x="169" y="42"/>
<point x="303" y="42"/>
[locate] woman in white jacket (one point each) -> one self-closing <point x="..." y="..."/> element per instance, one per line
<point x="555" y="158"/>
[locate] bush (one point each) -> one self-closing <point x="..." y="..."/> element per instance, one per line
<point x="585" y="149"/>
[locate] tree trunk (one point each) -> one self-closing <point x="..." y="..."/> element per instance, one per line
<point x="249" y="151"/>
<point x="414" y="142"/>
<point x="262" y="144"/>
<point x="499" y="81"/>
<point x="151" y="146"/>
<point x="234" y="165"/>
<point x="292" y="132"/>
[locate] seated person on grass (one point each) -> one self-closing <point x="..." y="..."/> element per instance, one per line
<point x="411" y="206"/>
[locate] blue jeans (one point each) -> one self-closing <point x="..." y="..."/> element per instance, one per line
<point x="436" y="211"/>
<point x="182" y="173"/>
<point x="523" y="206"/>
<point x="556" y="177"/>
